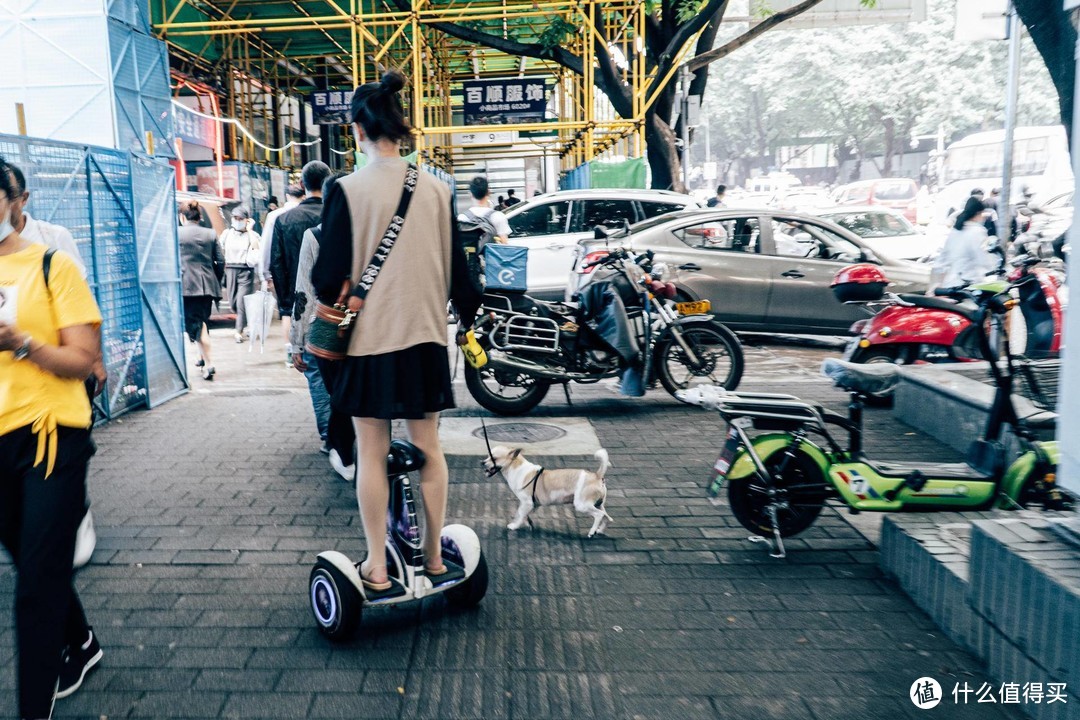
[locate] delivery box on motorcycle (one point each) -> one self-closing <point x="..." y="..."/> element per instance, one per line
<point x="505" y="267"/>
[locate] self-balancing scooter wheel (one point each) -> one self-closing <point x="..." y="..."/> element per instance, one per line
<point x="335" y="602"/>
<point x="472" y="591"/>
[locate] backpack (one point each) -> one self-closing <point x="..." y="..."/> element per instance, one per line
<point x="479" y="226"/>
<point x="476" y="232"/>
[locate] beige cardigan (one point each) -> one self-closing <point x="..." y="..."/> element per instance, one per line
<point x="407" y="302"/>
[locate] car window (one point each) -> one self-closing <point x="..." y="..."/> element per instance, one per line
<point x="546" y="219"/>
<point x="894" y="190"/>
<point x="735" y="235"/>
<point x="609" y="213"/>
<point x="794" y="238"/>
<point x="655" y="209"/>
<point x="872" y="224"/>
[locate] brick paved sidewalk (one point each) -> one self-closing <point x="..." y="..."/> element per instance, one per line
<point x="211" y="509"/>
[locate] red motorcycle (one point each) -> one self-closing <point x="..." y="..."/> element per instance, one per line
<point x="913" y="328"/>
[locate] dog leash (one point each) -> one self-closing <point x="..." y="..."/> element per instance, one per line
<point x="534" y="483"/>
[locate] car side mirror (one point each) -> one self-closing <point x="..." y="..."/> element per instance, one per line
<point x="600" y="233"/>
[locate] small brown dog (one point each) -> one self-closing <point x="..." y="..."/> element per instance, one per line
<point x="536" y="486"/>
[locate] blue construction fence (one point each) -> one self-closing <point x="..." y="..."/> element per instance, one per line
<point x="121" y="209"/>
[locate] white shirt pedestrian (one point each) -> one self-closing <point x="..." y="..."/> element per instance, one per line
<point x="495" y="217"/>
<point x="964" y="259"/>
<point x="52" y="236"/>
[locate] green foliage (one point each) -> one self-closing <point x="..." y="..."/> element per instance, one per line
<point x="685" y="10"/>
<point x="555" y="35"/>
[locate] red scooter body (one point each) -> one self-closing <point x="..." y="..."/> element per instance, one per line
<point x="906" y="334"/>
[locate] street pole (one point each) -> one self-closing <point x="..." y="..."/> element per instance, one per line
<point x="1069" y="401"/>
<point x="1011" y="96"/>
<point x="684" y="114"/>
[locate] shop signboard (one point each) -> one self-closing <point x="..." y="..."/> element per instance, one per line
<point x="503" y="102"/>
<point x="331" y="107"/>
<point x="193" y="128"/>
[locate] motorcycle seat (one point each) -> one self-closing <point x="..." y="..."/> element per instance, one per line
<point x="864" y="379"/>
<point x="966" y="309"/>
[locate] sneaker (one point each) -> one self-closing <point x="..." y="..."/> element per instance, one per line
<point x="325" y="449"/>
<point x="77" y="662"/>
<point x="347" y="472"/>
<point x="239" y="338"/>
<point x="208" y="372"/>
<point x="200" y="363"/>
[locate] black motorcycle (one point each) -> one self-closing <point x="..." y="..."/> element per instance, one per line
<point x="626" y="324"/>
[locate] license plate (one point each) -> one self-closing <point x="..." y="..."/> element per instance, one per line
<point x="723" y="463"/>
<point x="697" y="307"/>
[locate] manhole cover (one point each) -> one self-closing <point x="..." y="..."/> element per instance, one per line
<point x="521" y="432"/>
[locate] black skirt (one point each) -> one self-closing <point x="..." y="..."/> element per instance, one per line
<point x="400" y="385"/>
<point x="197" y="310"/>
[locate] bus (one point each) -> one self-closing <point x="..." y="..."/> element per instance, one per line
<point x="1041" y="164"/>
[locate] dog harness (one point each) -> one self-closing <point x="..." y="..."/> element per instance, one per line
<point x="533" y="482"/>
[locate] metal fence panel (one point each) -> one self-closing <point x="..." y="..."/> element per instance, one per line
<point x="121" y="211"/>
<point x="154" y="190"/>
<point x="140" y="73"/>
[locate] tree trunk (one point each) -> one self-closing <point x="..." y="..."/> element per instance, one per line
<point x="890" y="147"/>
<point x="1054" y="36"/>
<point x="663" y="155"/>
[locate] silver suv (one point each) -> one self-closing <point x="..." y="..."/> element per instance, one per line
<point x="551" y="225"/>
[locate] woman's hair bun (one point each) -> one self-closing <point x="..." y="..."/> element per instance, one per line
<point x="392" y="81"/>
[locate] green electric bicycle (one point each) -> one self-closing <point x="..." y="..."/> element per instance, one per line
<point x="779" y="481"/>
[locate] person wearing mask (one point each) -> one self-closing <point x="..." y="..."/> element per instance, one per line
<point x="964" y="258"/>
<point x="718" y="199"/>
<point x="39" y="231"/>
<point x="288" y="236"/>
<point x="397" y="365"/>
<point x="241" y="246"/>
<point x="479" y="189"/>
<point x="202" y="266"/>
<point x="49" y="341"/>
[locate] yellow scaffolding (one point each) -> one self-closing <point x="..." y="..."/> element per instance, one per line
<point x="375" y="35"/>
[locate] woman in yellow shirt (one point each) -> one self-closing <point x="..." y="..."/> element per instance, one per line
<point x="49" y="341"/>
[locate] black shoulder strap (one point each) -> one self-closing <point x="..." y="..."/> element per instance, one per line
<point x="46" y="265"/>
<point x="382" y="250"/>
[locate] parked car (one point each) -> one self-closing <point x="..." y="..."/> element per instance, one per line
<point x="761" y="270"/>
<point x="804" y="199"/>
<point x="551" y="225"/>
<point x="896" y="193"/>
<point x="885" y="231"/>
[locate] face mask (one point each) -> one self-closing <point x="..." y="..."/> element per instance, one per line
<point x="6" y="228"/>
<point x="239" y="225"/>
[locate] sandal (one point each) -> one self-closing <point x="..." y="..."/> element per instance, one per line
<point x="371" y="584"/>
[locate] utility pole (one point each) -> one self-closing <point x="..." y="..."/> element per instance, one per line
<point x="684" y="112"/>
<point x="1011" y="96"/>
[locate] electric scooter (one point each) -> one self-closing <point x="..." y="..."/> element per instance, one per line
<point x="337" y="593"/>
<point x="914" y="328"/>
<point x="778" y="482"/>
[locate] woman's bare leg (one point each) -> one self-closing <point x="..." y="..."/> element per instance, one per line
<point x="373" y="491"/>
<point x="434" y="481"/>
<point x="203" y="344"/>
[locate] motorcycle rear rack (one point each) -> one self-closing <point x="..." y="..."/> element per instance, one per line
<point x="770" y="406"/>
<point x="526" y="332"/>
<point x="499" y="304"/>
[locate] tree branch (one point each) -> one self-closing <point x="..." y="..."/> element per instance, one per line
<point x="686" y="31"/>
<point x="511" y="47"/>
<point x="610" y="81"/>
<point x="732" y="45"/>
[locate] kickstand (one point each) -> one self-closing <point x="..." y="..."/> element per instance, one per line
<point x="566" y="391"/>
<point x="776" y="545"/>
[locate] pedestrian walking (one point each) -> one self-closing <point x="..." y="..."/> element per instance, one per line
<point x="49" y="341"/>
<point x="320" y="374"/>
<point x="964" y="258"/>
<point x="202" y="266"/>
<point x="38" y="231"/>
<point x="481" y="212"/>
<point x="293" y="195"/>
<point x="242" y="248"/>
<point x="397" y="365"/>
<point x="289" y="229"/>
<point x="718" y="199"/>
<point x="511" y="199"/>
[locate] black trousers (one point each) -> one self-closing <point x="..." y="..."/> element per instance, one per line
<point x="39" y="517"/>
<point x="340" y="434"/>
